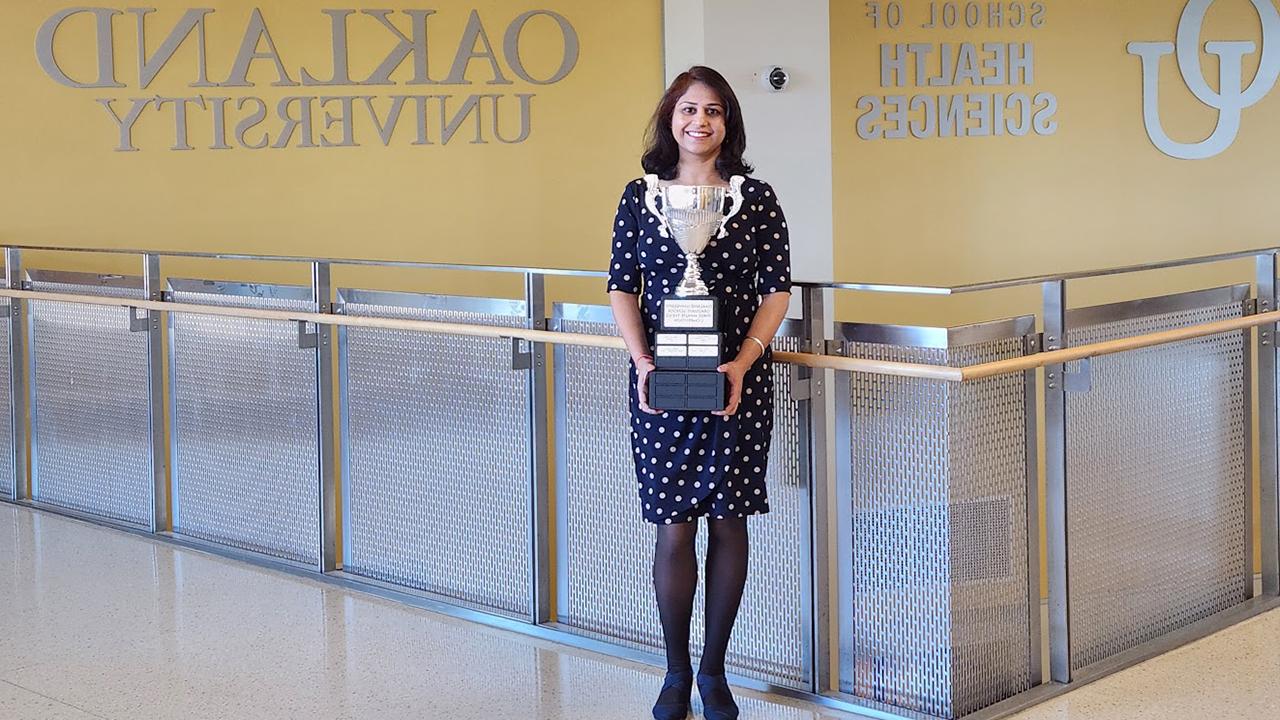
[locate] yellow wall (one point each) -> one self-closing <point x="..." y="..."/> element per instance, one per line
<point x="945" y="210"/>
<point x="538" y="202"/>
<point x="1095" y="194"/>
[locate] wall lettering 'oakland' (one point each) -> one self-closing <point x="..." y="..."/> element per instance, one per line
<point x="227" y="119"/>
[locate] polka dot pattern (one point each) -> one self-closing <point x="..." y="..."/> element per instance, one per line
<point x="690" y="464"/>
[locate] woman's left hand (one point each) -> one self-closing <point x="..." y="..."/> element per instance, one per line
<point x="733" y="372"/>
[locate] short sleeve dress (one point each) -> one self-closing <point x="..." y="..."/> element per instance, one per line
<point x="690" y="464"/>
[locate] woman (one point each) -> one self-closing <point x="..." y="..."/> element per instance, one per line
<point x="694" y="464"/>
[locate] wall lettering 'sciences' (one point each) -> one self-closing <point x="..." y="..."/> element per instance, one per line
<point x="926" y="66"/>
<point x="251" y="122"/>
<point x="1231" y="98"/>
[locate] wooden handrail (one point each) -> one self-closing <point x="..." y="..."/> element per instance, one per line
<point x="882" y="367"/>
<point x="879" y="367"/>
<point x="1110" y="347"/>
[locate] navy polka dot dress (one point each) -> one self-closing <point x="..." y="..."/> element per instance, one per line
<point x="690" y="464"/>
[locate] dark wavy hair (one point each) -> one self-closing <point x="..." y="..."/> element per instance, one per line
<point x="662" y="154"/>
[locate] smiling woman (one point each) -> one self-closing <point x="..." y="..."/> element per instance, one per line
<point x="700" y="87"/>
<point x="693" y="463"/>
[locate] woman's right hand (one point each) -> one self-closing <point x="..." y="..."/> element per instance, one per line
<point x="644" y="366"/>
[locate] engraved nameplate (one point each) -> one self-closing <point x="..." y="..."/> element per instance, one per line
<point x="694" y="314"/>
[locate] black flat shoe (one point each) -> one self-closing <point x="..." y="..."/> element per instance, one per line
<point x="673" y="699"/>
<point x="717" y="701"/>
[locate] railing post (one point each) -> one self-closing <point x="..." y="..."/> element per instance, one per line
<point x="535" y="299"/>
<point x="1268" y="477"/>
<point x="1055" y="433"/>
<point x="322" y="297"/>
<point x="819" y="476"/>
<point x="17" y="377"/>
<point x="161" y="518"/>
<point x="1032" y="454"/>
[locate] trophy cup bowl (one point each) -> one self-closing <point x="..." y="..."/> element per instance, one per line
<point x="694" y="214"/>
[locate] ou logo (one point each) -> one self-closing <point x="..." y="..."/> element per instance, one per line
<point x="1231" y="99"/>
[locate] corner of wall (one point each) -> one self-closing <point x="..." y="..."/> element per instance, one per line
<point x="683" y="36"/>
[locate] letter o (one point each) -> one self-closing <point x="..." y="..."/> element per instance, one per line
<point x="893" y="15"/>
<point x="511" y="47"/>
<point x="1188" y="50"/>
<point x="949" y="15"/>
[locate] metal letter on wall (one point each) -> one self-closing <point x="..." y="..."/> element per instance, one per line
<point x="1230" y="99"/>
<point x="245" y="450"/>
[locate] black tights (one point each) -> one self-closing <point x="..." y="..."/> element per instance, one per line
<point x="675" y="578"/>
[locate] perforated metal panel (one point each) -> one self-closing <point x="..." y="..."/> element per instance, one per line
<point x="436" y="447"/>
<point x="7" y="476"/>
<point x="934" y="588"/>
<point x="245" y="436"/>
<point x="768" y="640"/>
<point x="1156" y="478"/>
<point x="89" y="401"/>
<point x="606" y="555"/>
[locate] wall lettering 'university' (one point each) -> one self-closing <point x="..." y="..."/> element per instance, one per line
<point x="328" y="119"/>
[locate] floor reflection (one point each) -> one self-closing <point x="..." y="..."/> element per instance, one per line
<point x="106" y="624"/>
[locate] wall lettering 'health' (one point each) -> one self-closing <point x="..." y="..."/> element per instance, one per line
<point x="988" y="113"/>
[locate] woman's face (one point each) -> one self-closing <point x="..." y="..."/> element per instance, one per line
<point x="698" y="122"/>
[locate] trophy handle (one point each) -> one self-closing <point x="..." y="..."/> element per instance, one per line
<point x="735" y="204"/>
<point x="651" y="202"/>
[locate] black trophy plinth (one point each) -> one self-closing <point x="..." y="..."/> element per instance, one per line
<point x="687" y="351"/>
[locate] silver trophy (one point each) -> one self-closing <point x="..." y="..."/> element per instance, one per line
<point x="688" y="346"/>
<point x="692" y="215"/>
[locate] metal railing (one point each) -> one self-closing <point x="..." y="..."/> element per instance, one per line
<point x="434" y="451"/>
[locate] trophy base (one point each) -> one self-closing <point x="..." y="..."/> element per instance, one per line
<point x="687" y="351"/>
<point x="696" y="390"/>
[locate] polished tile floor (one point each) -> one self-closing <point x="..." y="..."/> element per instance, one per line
<point x="96" y="623"/>
<point x="1234" y="674"/>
